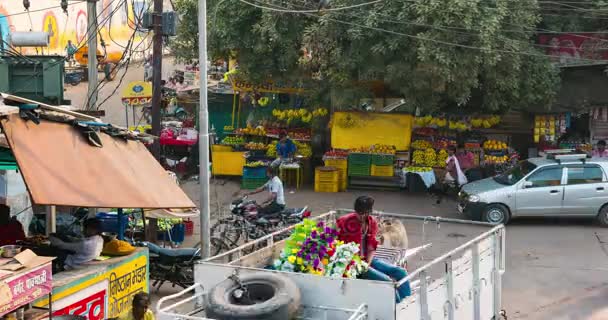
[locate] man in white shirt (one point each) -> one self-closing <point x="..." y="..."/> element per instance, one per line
<point x="276" y="200"/>
<point x="82" y="250"/>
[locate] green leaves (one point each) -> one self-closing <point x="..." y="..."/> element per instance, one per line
<point x="475" y="54"/>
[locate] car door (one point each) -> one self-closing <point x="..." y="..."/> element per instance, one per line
<point x="586" y="190"/>
<point x="541" y="193"/>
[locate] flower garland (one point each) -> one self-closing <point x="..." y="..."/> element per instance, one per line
<point x="313" y="248"/>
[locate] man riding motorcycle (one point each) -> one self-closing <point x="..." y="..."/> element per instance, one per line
<point x="276" y="201"/>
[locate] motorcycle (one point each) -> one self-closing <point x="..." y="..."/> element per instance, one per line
<point x="175" y="266"/>
<point x="246" y="223"/>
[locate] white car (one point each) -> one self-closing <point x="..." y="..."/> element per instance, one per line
<point x="569" y="185"/>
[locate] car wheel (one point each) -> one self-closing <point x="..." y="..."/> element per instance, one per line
<point x="266" y="296"/>
<point x="496" y="214"/>
<point x="602" y="216"/>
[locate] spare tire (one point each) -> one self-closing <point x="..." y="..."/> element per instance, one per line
<point x="268" y="296"/>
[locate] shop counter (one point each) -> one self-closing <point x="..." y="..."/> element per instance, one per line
<point x="100" y="289"/>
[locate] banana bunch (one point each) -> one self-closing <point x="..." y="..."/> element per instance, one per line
<point x="442" y="156"/>
<point x="421" y="144"/>
<point x="426" y="158"/>
<point x="272" y="150"/>
<point x="319" y="112"/>
<point x="304" y="149"/>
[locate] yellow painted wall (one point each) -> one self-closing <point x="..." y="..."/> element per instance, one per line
<point x="351" y="129"/>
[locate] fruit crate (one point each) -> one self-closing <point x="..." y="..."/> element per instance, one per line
<point x="327" y="186"/>
<point x="382" y="171"/>
<point x="358" y="170"/>
<point x="249" y="184"/>
<point x="327" y="174"/>
<point x="342" y="165"/>
<point x="382" y="159"/>
<point x="254" y="172"/>
<point x="359" y="159"/>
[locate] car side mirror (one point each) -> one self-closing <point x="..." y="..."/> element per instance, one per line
<point x="528" y="184"/>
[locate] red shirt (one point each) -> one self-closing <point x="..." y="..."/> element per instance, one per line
<point x="350" y="230"/>
<point x="11" y="232"/>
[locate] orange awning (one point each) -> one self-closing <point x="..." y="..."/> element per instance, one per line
<point x="61" y="168"/>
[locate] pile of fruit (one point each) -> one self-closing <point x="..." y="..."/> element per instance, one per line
<point x="232" y="140"/>
<point x="255" y="146"/>
<point x="299" y="114"/>
<point x="382" y="149"/>
<point x="426" y="158"/>
<point x="495" y="159"/>
<point x="494" y="145"/>
<point x="487" y="122"/>
<point x="458" y="125"/>
<point x="304" y="149"/>
<point x="442" y="156"/>
<point x="418" y="169"/>
<point x="272" y="150"/>
<point x="421" y="145"/>
<point x="336" y="154"/>
<point x="255" y="164"/>
<point x="444" y="143"/>
<point x="257" y="131"/>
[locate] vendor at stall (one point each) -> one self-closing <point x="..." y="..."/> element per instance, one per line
<point x="286" y="149"/>
<point x="79" y="251"/>
<point x="466" y="159"/>
<point x="360" y="227"/>
<point x="11" y="230"/>
<point x="276" y="200"/>
<point x="454" y="170"/>
<point x="600" y="150"/>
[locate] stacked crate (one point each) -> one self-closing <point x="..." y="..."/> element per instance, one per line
<point x="327" y="179"/>
<point x="342" y="166"/>
<point x="359" y="164"/>
<point x="382" y="165"/>
<point x="253" y="178"/>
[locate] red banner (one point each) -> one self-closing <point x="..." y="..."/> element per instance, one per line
<point x="579" y="48"/>
<point x="92" y="307"/>
<point x="17" y="291"/>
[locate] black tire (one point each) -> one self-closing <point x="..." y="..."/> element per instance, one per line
<point x="496" y="214"/>
<point x="602" y="216"/>
<point x="272" y="297"/>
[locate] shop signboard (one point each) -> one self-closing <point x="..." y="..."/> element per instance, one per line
<point x="575" y="48"/>
<point x="137" y="94"/>
<point x="24" y="288"/>
<point x="103" y="295"/>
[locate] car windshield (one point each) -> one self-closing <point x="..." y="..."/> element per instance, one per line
<point x="513" y="175"/>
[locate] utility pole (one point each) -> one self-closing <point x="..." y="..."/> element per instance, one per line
<point x="92" y="53"/>
<point x="157" y="63"/>
<point x="203" y="134"/>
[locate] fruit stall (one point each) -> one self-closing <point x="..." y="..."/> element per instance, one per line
<point x="433" y="135"/>
<point x="367" y="149"/>
<point x="564" y="131"/>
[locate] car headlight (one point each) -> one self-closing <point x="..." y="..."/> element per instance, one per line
<point x="474" y="198"/>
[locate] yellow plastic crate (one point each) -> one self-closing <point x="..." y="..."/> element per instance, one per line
<point x="326" y="187"/>
<point x="228" y="163"/>
<point x="337" y="163"/>
<point x="382" y="171"/>
<point x="327" y="174"/>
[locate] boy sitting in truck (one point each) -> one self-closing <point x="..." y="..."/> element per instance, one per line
<point x="360" y="227"/>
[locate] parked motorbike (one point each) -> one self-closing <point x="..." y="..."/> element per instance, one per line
<point x="175" y="266"/>
<point x="249" y="210"/>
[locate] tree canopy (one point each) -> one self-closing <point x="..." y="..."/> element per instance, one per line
<point x="436" y="54"/>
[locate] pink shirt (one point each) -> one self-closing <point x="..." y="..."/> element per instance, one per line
<point x="466" y="160"/>
<point x="598" y="154"/>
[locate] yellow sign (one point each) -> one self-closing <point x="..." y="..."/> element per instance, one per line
<point x="267" y="86"/>
<point x="120" y="284"/>
<point x="49" y="25"/>
<point x="363" y="129"/>
<point x="137" y="93"/>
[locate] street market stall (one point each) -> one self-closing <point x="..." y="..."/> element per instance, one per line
<point x="68" y="159"/>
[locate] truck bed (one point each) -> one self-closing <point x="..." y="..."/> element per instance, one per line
<point x="458" y="277"/>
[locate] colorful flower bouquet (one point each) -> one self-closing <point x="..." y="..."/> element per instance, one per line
<point x="313" y="248"/>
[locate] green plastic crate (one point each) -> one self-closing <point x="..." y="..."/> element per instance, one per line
<point x="359" y="170"/>
<point x="383" y="159"/>
<point x="359" y="159"/>
<point x="249" y="184"/>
